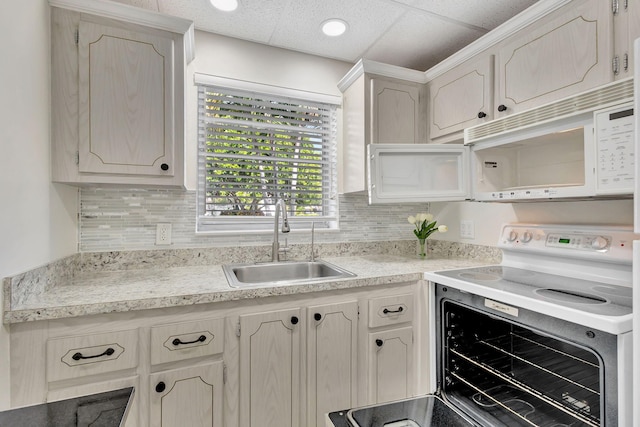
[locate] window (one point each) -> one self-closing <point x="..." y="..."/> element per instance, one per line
<point x="256" y="148"/>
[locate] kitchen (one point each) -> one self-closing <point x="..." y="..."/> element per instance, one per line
<point x="44" y="226"/>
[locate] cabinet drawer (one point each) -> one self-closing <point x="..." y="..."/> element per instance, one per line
<point x="180" y="341"/>
<point x="72" y="357"/>
<point x="391" y="310"/>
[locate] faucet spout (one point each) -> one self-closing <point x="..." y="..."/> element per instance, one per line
<point x="275" y="247"/>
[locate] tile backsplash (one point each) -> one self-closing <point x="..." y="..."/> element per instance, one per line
<point x="115" y="219"/>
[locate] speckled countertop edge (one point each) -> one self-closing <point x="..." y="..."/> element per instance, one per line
<point x="100" y="291"/>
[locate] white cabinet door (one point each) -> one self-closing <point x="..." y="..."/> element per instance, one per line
<point x="461" y="97"/>
<point x="126" y="101"/>
<point x="394" y="112"/>
<point x="418" y="173"/>
<point x="331" y="359"/>
<point x="567" y="53"/>
<point x="270" y="369"/>
<point x="187" y="397"/>
<point x="391" y="372"/>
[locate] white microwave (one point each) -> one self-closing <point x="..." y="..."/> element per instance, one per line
<point x="588" y="154"/>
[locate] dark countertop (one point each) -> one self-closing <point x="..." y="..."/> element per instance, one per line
<point x="97" y="410"/>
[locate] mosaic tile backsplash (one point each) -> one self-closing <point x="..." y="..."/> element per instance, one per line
<point x="125" y="219"/>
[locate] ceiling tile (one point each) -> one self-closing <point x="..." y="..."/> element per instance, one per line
<point x="254" y="20"/>
<point x="486" y="14"/>
<point x="420" y="41"/>
<point x="300" y="26"/>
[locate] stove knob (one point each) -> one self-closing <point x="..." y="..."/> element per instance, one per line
<point x="527" y="236"/>
<point x="512" y="236"/>
<point x="600" y="243"/>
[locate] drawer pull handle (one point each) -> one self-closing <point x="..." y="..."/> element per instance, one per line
<point x="79" y="356"/>
<point x="177" y="341"/>
<point x="387" y="311"/>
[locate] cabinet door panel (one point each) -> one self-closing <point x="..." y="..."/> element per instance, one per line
<point x="187" y="397"/>
<point x="395" y="112"/>
<point x="270" y="369"/>
<point x="569" y="54"/>
<point x="332" y="358"/>
<point x="459" y="96"/>
<point x="126" y="101"/>
<point x="391" y="365"/>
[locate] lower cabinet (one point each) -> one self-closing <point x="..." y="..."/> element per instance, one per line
<point x="283" y="362"/>
<point x="187" y="397"/>
<point x="270" y="369"/>
<point x="391" y="373"/>
<point x="332" y="357"/>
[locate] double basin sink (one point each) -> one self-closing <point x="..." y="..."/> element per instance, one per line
<point x="282" y="273"/>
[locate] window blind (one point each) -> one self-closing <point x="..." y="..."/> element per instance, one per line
<point x="255" y="149"/>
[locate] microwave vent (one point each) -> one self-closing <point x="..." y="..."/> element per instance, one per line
<point x="585" y="102"/>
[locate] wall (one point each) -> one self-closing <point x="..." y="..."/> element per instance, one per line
<point x="37" y="219"/>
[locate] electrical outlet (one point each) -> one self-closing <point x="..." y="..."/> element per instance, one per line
<point x="467" y="229"/>
<point x="163" y="234"/>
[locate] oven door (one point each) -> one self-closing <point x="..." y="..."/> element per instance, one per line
<point x="425" y="411"/>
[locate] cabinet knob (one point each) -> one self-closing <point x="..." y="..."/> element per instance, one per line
<point x="164" y="167"/>
<point x="294" y="320"/>
<point x="379" y="342"/>
<point x="160" y="387"/>
<point x="502" y="107"/>
<point x="482" y="115"/>
<point x="317" y="316"/>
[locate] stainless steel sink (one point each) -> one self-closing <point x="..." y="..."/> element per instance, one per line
<point x="245" y="275"/>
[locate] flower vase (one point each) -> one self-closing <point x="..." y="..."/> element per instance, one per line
<point x="422" y="251"/>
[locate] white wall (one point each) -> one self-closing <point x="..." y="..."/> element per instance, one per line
<point x="37" y="219"/>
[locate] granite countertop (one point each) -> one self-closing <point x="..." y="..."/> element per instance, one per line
<point x="31" y="297"/>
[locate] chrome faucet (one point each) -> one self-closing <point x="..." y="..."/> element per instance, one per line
<point x="275" y="247"/>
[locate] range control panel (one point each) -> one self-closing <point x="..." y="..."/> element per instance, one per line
<point x="612" y="243"/>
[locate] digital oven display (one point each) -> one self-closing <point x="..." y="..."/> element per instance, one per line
<point x="564" y="240"/>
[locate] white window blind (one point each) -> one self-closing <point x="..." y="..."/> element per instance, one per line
<point x="255" y="149"/>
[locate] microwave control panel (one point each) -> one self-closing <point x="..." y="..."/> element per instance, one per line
<point x="614" y="135"/>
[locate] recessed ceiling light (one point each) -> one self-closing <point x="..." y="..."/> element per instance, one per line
<point x="225" y="5"/>
<point x="334" y="27"/>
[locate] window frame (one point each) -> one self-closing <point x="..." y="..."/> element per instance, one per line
<point x="223" y="224"/>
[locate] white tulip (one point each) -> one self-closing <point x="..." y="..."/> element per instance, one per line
<point x="428" y="217"/>
<point x="443" y="228"/>
<point x="412" y="220"/>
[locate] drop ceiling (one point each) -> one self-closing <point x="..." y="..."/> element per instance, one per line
<point x="414" y="34"/>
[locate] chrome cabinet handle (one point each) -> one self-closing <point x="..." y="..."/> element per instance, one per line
<point x="79" y="356"/>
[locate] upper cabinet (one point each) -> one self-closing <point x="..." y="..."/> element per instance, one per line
<point x="118" y="88"/>
<point x="626" y="24"/>
<point x="381" y="104"/>
<point x="461" y="98"/>
<point x="564" y="53"/>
